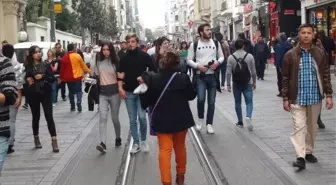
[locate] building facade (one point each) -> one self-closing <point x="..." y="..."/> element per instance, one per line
<point x="320" y="13"/>
<point x="11" y="19"/>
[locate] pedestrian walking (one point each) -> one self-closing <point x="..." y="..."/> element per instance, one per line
<point x="169" y="93"/>
<point x="39" y="77"/>
<point x="8" y="51"/>
<point x="123" y="49"/>
<point x="106" y="70"/>
<point x="226" y="52"/>
<point x="59" y="54"/>
<point x="162" y="44"/>
<point x="184" y="57"/>
<point x="306" y="81"/>
<point x="71" y="72"/>
<point x="205" y="55"/>
<point x="132" y="65"/>
<point x="8" y="97"/>
<point x="52" y="62"/>
<point x="261" y="54"/>
<point x="242" y="68"/>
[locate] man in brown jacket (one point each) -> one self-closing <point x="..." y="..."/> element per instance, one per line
<point x="306" y="81"/>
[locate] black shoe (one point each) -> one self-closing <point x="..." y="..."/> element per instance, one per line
<point x="10" y="149"/>
<point x="79" y="107"/>
<point x="320" y="123"/>
<point x="73" y="108"/>
<point x="64" y="99"/>
<point x="279" y="95"/>
<point x="240" y="124"/>
<point x="37" y="142"/>
<point x="25" y="106"/>
<point x="102" y="148"/>
<point x="262" y="79"/>
<point x="300" y="163"/>
<point x="311" y="158"/>
<point x="118" y="142"/>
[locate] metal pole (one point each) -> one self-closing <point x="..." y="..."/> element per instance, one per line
<point x="52" y="22"/>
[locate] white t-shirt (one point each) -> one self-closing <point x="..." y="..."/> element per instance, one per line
<point x="205" y="53"/>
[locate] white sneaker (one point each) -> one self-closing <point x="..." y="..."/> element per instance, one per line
<point x="144" y="146"/>
<point x="199" y="124"/>
<point x="249" y="123"/>
<point x="210" y="129"/>
<point x="135" y="149"/>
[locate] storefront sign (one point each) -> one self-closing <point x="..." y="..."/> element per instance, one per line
<point x="274" y="15"/>
<point x="289" y="12"/>
<point x="248" y="8"/>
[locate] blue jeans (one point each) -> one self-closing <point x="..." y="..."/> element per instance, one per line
<point x="135" y="110"/>
<point x="246" y="90"/>
<point x="75" y="88"/>
<point x="12" y="119"/>
<point x="3" y="151"/>
<point x="223" y="73"/>
<point x="204" y="84"/>
<point x="54" y="92"/>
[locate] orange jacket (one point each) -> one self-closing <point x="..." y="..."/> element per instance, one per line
<point x="72" y="67"/>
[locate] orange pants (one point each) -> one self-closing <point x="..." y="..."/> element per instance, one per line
<point x="166" y="143"/>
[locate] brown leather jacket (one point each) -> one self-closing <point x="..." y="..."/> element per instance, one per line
<point x="290" y="71"/>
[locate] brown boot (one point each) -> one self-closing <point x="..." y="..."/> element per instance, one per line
<point x="37" y="142"/>
<point x="166" y="183"/>
<point x="180" y="179"/>
<point x="54" y="145"/>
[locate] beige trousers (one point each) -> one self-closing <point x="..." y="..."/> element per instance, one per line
<point x="304" y="128"/>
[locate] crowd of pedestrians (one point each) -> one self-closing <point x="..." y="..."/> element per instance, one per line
<point x="171" y="77"/>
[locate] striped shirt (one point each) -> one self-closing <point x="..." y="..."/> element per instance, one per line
<point x="308" y="88"/>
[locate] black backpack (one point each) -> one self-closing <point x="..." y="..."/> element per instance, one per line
<point x="241" y="73"/>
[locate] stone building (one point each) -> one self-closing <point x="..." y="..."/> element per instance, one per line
<point x="11" y="19"/>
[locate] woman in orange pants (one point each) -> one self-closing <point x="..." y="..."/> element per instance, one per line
<point x="168" y="95"/>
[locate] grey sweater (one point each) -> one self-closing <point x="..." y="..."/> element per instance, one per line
<point x="231" y="65"/>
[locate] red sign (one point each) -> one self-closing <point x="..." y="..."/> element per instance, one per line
<point x="289" y="12"/>
<point x="274" y="16"/>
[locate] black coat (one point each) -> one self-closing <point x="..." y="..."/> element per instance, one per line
<point x="173" y="113"/>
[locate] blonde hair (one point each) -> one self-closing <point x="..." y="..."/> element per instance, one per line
<point x="53" y="53"/>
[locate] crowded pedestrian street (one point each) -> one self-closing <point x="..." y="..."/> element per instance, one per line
<point x="261" y="157"/>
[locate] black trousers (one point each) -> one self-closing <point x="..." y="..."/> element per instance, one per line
<point x="279" y="76"/>
<point x="35" y="101"/>
<point x="261" y="66"/>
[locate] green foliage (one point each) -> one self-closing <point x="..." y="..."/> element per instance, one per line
<point x="111" y="23"/>
<point x="31" y="14"/>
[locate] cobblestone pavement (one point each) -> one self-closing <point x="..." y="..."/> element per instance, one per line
<point x="273" y="127"/>
<point x="29" y="166"/>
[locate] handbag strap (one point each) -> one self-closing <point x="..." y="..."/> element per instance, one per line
<point x="164" y="90"/>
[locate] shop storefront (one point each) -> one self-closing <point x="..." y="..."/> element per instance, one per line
<point x="323" y="17"/>
<point x="238" y="25"/>
<point x="250" y="22"/>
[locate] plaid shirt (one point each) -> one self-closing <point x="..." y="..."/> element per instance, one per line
<point x="308" y="90"/>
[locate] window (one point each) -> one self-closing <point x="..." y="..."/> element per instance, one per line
<point x="176" y="28"/>
<point x="68" y="42"/>
<point x="42" y="39"/>
<point x="58" y="41"/>
<point x="176" y="17"/>
<point x="64" y="44"/>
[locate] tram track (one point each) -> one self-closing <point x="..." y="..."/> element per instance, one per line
<point x="213" y="174"/>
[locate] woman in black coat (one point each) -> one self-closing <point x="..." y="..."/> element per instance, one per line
<point x="172" y="117"/>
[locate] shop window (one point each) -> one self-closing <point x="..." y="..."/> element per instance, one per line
<point x="42" y="39"/>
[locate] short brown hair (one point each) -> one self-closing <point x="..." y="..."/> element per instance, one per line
<point x="306" y="25"/>
<point x="133" y="35"/>
<point x="170" y="60"/>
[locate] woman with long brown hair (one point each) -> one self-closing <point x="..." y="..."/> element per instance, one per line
<point x="161" y="45"/>
<point x="106" y="70"/>
<point x="39" y="77"/>
<point x="169" y="93"/>
<point x="51" y="60"/>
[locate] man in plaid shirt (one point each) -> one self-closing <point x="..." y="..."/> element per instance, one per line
<point x="306" y="81"/>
